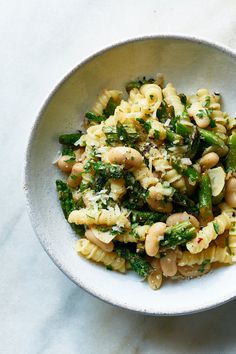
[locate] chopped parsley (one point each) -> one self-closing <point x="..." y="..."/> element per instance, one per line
<point x="103" y="172"/>
<point x="135" y="197"/>
<point x="92" y="117"/>
<point x="71" y="159"/>
<point x="204" y="113"/>
<point x="121" y="133"/>
<point x="212" y="123"/>
<point x="110" y="108"/>
<point x="83" y="187"/>
<point x="207" y="102"/>
<point x="74" y="177"/>
<point x="146" y="125"/>
<point x="115" y="230"/>
<point x="216" y="227"/>
<point x="156" y="134"/>
<point x="203" y="265"/>
<point x="68" y="151"/>
<point x="138" y="83"/>
<point x="109" y="267"/>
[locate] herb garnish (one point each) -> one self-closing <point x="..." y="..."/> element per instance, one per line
<point x="203" y="265"/>
<point x="121" y="133"/>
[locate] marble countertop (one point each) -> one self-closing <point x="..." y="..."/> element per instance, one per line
<point x="41" y="311"/>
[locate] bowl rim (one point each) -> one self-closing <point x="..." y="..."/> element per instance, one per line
<point x="29" y="203"/>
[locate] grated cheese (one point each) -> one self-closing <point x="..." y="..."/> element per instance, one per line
<point x="186" y="161"/>
<point x="167" y="122"/>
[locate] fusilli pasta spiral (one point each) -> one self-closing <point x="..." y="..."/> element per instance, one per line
<point x="90" y="251"/>
<point x="98" y="217"/>
<point x="212" y="254"/>
<point x="209" y="233"/>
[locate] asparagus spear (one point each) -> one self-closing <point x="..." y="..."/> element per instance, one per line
<point x="173" y="137"/>
<point x="205" y="198"/>
<point x="178" y="234"/>
<point x="110" y="108"/>
<point x="193" y="144"/>
<point x="183" y="200"/>
<point x="183" y="130"/>
<point x="137" y="262"/>
<point x="188" y="171"/>
<point x="231" y="157"/>
<point x="92" y="117"/>
<point x="211" y="138"/>
<point x="147" y="217"/>
<point x="69" y="139"/>
<point x="68" y="204"/>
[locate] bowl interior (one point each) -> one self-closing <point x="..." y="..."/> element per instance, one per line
<point x="189" y="65"/>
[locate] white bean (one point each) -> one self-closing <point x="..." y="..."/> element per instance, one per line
<point x="75" y="177"/>
<point x="179" y="217"/>
<point x="155" y="279"/>
<point x="126" y="156"/>
<point x="152" y="241"/>
<point x="168" y="263"/>
<point x="209" y="160"/>
<point x="65" y="164"/>
<point x="230" y="192"/>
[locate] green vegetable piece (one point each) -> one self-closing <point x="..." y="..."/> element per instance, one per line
<point x="183" y="200"/>
<point x="212" y="123"/>
<point x="103" y="172"/>
<point x="110" y="108"/>
<point x="92" y="117"/>
<point x="137" y="262"/>
<point x="165" y="112"/>
<point x="178" y="234"/>
<point x="122" y="133"/>
<point x="205" y="198"/>
<point x="68" y="151"/>
<point x="131" y="85"/>
<point x="216" y="227"/>
<point x="147" y="217"/>
<point x="138" y="83"/>
<point x="193" y="142"/>
<point x="183" y="130"/>
<point x="146" y="125"/>
<point x="156" y="134"/>
<point x="69" y="139"/>
<point x="183" y="98"/>
<point x="68" y="204"/>
<point x="173" y="137"/>
<point x="211" y="138"/>
<point x="192" y="174"/>
<point x="188" y="171"/>
<point x="231" y="157"/>
<point x="136" y="195"/>
<point x="207" y="102"/>
<point x="203" y="265"/>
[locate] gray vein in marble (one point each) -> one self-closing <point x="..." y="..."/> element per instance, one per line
<point x="9" y="226"/>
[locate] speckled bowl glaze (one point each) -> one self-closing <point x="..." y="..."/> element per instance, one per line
<point x="188" y="63"/>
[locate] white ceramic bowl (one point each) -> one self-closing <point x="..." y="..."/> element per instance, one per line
<point x="190" y="64"/>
